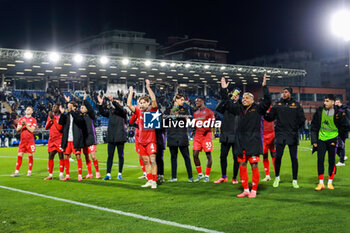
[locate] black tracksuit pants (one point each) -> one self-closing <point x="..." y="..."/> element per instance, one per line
<point x="329" y="146"/>
<point x="111" y="150"/>
<point x="225" y="148"/>
<point x="185" y="154"/>
<point x="159" y="160"/>
<point x="293" y="151"/>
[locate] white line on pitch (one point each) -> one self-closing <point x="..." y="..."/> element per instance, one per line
<point x="165" y="222"/>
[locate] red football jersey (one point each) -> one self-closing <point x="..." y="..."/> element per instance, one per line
<point x="133" y="120"/>
<point x="26" y="135"/>
<point x="146" y="136"/>
<point x="55" y="129"/>
<point x="203" y="115"/>
<point x="268" y="127"/>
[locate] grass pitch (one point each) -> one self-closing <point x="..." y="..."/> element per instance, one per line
<point x="206" y="205"/>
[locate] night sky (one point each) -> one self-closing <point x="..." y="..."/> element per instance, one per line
<point x="245" y="28"/>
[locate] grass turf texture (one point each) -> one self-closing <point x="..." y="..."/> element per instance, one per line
<point x="208" y="205"/>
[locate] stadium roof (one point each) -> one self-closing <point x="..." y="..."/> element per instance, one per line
<point x="22" y="63"/>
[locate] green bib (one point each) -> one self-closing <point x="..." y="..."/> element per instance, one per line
<point x="328" y="129"/>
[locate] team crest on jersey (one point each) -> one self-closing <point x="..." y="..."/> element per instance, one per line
<point x="151" y="120"/>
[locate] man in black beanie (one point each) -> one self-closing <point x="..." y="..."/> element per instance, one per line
<point x="289" y="116"/>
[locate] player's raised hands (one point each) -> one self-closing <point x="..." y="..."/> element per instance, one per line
<point x="264" y="81"/>
<point x="110" y="97"/>
<point x="131" y="89"/>
<point x="85" y="95"/>
<point x="224" y="85"/>
<point x="67" y="98"/>
<point x="61" y="109"/>
<point x="148" y="83"/>
<point x="100" y="100"/>
<point x="51" y="115"/>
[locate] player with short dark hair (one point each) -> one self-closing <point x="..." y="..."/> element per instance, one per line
<point x="90" y="139"/>
<point x="203" y="138"/>
<point x="72" y="138"/>
<point x="55" y="140"/>
<point x="327" y="124"/>
<point x="26" y="125"/>
<point x="289" y="117"/>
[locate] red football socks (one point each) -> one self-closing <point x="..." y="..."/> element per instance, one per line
<point x="88" y="166"/>
<point x="80" y="167"/>
<point x="149" y="176"/>
<point x="142" y="165"/>
<point x="96" y="165"/>
<point x="199" y="169"/>
<point x="50" y="166"/>
<point x="244" y="177"/>
<point x="207" y="171"/>
<point x="19" y="162"/>
<point x="266" y="166"/>
<point x="66" y="165"/>
<point x="256" y="177"/>
<point x="61" y="165"/>
<point x="155" y="178"/>
<point x="30" y="164"/>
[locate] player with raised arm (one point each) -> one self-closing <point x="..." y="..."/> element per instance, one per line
<point x="55" y="140"/>
<point x="147" y="137"/>
<point x="72" y="138"/>
<point x="90" y="139"/>
<point x="26" y="125"/>
<point x="249" y="144"/>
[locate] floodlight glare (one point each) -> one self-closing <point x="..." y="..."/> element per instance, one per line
<point x="187" y="65"/>
<point x="162" y="64"/>
<point x="206" y="67"/>
<point x="148" y="63"/>
<point x="78" y="58"/>
<point x="104" y="60"/>
<point x="28" y="55"/>
<point x="222" y="67"/>
<point x="125" y="61"/>
<point x="340" y="24"/>
<point x="54" y="57"/>
<point x="172" y="64"/>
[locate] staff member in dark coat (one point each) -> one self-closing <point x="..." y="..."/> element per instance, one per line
<point x="344" y="135"/>
<point x="248" y="143"/>
<point x="227" y="138"/>
<point x="90" y="140"/>
<point x="72" y="138"/>
<point x="160" y="135"/>
<point x="289" y="116"/>
<point x="178" y="137"/>
<point x="116" y="132"/>
<point x="327" y="124"/>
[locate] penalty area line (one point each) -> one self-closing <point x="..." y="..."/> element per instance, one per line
<point x="119" y="212"/>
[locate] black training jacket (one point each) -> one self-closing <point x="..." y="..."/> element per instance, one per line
<point x="289" y="117"/>
<point x="249" y="132"/>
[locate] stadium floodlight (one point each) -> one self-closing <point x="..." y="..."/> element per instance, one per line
<point x="340" y="24"/>
<point x="172" y="64"/>
<point x="148" y="63"/>
<point x="222" y="67"/>
<point x="206" y="67"/>
<point x="162" y="64"/>
<point x="78" y="58"/>
<point x="187" y="65"/>
<point x="28" y="55"/>
<point x="125" y="61"/>
<point x="104" y="60"/>
<point x="54" y="57"/>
